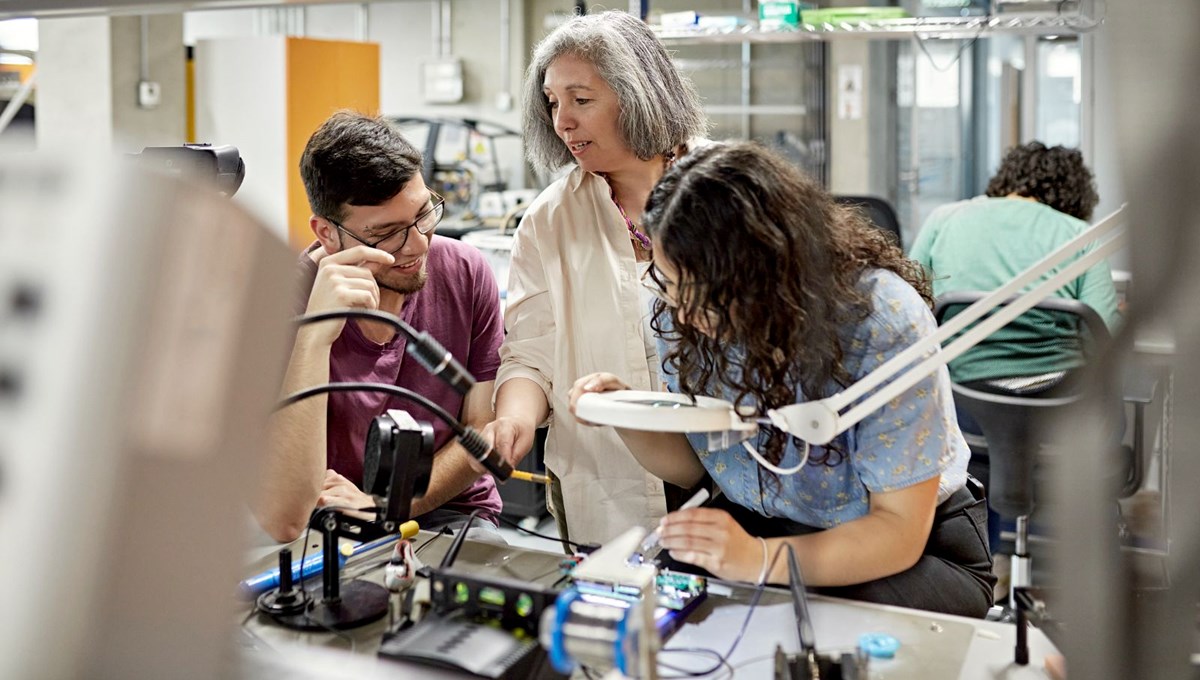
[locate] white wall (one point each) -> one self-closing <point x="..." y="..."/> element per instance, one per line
<point x="74" y="111"/>
<point x="249" y="113"/>
<point x="225" y="23"/>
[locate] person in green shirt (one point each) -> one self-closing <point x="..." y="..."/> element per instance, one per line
<point x="1040" y="198"/>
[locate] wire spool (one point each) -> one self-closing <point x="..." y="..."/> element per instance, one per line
<point x="593" y="632"/>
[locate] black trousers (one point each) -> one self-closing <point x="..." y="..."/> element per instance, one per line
<point x="953" y="576"/>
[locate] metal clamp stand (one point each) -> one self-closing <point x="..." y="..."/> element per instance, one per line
<point x="1030" y="606"/>
<point x="341" y="606"/>
<point x="399" y="453"/>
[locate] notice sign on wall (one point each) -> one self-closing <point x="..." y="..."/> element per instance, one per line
<point x="850" y="92"/>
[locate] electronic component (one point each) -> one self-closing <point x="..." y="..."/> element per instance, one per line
<point x="456" y="641"/>
<point x="679" y="591"/>
<point x="516" y="605"/>
<point x="676" y="596"/>
<point x="612" y="626"/>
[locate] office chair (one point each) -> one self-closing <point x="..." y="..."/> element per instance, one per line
<point x="1012" y="414"/>
<point x="877" y="210"/>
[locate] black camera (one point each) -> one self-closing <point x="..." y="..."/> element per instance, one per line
<point x="221" y="166"/>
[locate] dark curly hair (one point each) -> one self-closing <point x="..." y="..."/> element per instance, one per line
<point x="774" y="262"/>
<point x="1055" y="176"/>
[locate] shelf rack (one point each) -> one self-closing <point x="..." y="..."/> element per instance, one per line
<point x="891" y="29"/>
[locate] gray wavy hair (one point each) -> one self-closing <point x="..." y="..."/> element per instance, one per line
<point x="659" y="108"/>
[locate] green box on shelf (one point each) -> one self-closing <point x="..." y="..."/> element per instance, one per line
<point x="774" y="15"/>
<point x="834" y="15"/>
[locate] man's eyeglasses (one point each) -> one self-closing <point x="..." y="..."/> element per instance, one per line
<point x="394" y="242"/>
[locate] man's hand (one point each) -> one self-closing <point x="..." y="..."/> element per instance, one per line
<point x="345" y="279"/>
<point x="342" y="493"/>
<point x="594" y="382"/>
<point x="714" y="540"/>
<point x="512" y="438"/>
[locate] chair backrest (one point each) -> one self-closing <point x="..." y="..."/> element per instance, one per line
<point x="878" y="210"/>
<point x="1012" y="421"/>
<point x="1088" y="318"/>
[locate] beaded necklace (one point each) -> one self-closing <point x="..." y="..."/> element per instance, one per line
<point x="641" y="239"/>
<point x="636" y="234"/>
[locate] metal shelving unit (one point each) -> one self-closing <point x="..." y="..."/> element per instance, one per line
<point x="892" y="29"/>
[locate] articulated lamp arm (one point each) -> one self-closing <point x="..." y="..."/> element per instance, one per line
<point x="818" y="422"/>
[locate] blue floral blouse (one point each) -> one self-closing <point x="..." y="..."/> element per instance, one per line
<point x="913" y="438"/>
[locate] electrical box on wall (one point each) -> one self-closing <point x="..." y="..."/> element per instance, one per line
<point x="149" y="94"/>
<point x="442" y="81"/>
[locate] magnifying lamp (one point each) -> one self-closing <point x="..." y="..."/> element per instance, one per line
<point x="818" y="422"/>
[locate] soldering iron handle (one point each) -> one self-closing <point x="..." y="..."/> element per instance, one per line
<point x="483" y="452"/>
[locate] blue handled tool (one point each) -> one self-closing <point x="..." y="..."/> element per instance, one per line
<point x="256" y="585"/>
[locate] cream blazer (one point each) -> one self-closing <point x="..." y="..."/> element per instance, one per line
<point x="574" y="308"/>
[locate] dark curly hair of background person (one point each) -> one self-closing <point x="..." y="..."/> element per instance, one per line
<point x="1055" y="176"/>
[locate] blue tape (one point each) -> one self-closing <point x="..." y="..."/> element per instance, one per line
<point x="878" y="645"/>
<point x="619" y="647"/>
<point x="562" y="662"/>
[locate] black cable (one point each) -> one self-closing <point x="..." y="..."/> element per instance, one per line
<point x="685" y="673"/>
<point x="433" y="538"/>
<point x="394" y="390"/>
<point x="961" y="49"/>
<point x="304" y="556"/>
<point x="422" y="346"/>
<point x="517" y="525"/>
<point x="477" y="447"/>
<point x="452" y="551"/>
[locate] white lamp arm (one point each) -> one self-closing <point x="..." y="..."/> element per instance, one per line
<point x="818" y="422"/>
<point x="977" y="310"/>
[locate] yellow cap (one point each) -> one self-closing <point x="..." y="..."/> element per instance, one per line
<point x="409" y="529"/>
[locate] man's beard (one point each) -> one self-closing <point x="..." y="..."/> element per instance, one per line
<point x="405" y="285"/>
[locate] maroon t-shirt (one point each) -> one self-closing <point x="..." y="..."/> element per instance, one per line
<point x="460" y="307"/>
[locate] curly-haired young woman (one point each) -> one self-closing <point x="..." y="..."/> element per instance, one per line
<point x="772" y="294"/>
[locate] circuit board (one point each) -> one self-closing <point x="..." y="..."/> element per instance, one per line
<point x="678" y="595"/>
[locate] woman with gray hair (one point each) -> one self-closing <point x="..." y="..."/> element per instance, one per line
<point x="601" y="92"/>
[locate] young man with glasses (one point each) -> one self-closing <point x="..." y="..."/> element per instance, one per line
<point x="374" y="220"/>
